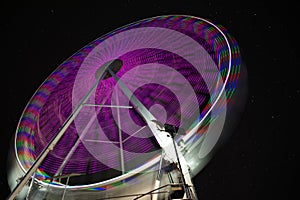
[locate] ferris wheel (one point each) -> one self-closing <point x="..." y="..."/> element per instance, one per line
<point x="135" y="114"/>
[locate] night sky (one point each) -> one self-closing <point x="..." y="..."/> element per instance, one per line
<point x="258" y="161"/>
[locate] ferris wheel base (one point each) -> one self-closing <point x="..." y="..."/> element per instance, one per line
<point x="143" y="187"/>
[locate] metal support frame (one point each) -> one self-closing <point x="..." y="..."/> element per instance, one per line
<point x="145" y="113"/>
<point x="100" y="73"/>
<point x="149" y="118"/>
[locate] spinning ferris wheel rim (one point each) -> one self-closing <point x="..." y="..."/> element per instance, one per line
<point x="156" y="159"/>
<point x="226" y="79"/>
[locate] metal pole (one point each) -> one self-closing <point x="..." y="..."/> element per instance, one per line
<point x="106" y="106"/>
<point x="159" y="176"/>
<point x="63" y="197"/>
<point x="31" y="183"/>
<point x="186" y="189"/>
<point x="120" y="136"/>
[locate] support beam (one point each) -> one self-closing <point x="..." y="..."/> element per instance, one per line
<point x="106" y="106"/>
<point x="120" y="136"/>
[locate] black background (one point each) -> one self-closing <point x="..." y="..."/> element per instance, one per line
<point x="259" y="160"/>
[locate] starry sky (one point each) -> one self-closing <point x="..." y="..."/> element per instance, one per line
<point x="257" y="162"/>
